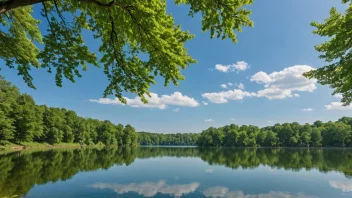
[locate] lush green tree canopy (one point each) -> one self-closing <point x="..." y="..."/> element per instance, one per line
<point x="145" y="138"/>
<point x="126" y="30"/>
<point x="21" y="120"/>
<point x="286" y="135"/>
<point x="337" y="52"/>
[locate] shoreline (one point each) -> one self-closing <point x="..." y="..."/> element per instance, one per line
<point x="37" y="146"/>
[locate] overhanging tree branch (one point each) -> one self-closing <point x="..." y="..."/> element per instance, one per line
<point x="12" y="4"/>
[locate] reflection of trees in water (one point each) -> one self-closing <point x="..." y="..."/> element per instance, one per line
<point x="20" y="171"/>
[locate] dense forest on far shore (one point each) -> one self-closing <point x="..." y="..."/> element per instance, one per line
<point x="21" y="120"/>
<point x="189" y="139"/>
<point x="288" y="134"/>
<point x="328" y="134"/>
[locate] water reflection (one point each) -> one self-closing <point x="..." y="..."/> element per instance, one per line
<point x="345" y="186"/>
<point x="150" y="189"/>
<point x="219" y="192"/>
<point x="20" y="171"/>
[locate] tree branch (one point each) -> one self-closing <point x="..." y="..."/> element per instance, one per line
<point x="12" y="4"/>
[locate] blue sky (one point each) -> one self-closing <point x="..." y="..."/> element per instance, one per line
<point x="281" y="41"/>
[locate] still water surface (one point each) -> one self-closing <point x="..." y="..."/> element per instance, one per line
<point x="178" y="172"/>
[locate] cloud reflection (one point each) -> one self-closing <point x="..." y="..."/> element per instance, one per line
<point x="219" y="192"/>
<point x="345" y="186"/>
<point x="150" y="189"/>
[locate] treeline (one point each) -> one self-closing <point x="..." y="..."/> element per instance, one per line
<point x="21" y="171"/>
<point x="288" y="134"/>
<point x="21" y="120"/>
<point x="146" y="138"/>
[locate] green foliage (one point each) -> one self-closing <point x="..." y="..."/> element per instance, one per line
<point x="8" y="95"/>
<point x="21" y="120"/>
<point x="288" y="135"/>
<point x="189" y="139"/>
<point x="337" y="52"/>
<point x="126" y="29"/>
<point x="27" y="119"/>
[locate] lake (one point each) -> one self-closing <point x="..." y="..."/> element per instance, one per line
<point x="178" y="172"/>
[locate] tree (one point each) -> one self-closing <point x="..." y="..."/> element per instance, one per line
<point x="8" y="95"/>
<point x="305" y="139"/>
<point x="243" y="138"/>
<point x="54" y="124"/>
<point x="6" y="126"/>
<point x="106" y="133"/>
<point x="336" y="51"/>
<point x="231" y="138"/>
<point x="126" y="30"/>
<point x="68" y="134"/>
<point x="318" y="123"/>
<point x="336" y="134"/>
<point x="27" y="119"/>
<point x="54" y="135"/>
<point x="316" y="137"/>
<point x="119" y="134"/>
<point x="271" y="139"/>
<point x="261" y="137"/>
<point x="22" y="120"/>
<point x="129" y="136"/>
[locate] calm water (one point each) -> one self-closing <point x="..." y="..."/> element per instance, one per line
<point x="178" y="172"/>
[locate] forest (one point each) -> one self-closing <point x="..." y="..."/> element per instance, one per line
<point x="62" y="164"/>
<point x="22" y="120"/>
<point x="146" y="138"/>
<point x="318" y="134"/>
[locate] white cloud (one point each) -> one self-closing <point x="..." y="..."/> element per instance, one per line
<point x="176" y="110"/>
<point x="277" y="85"/>
<point x="280" y="85"/>
<point x="150" y="189"/>
<point x="223" y="86"/>
<point x="270" y="121"/>
<point x="261" y="77"/>
<point x="220" y="191"/>
<point x="337" y="106"/>
<point x="233" y="119"/>
<point x="179" y="100"/>
<point x="209" y="120"/>
<point x="224" y="96"/>
<point x="154" y="101"/>
<point x="345" y="186"/>
<point x="222" y="68"/>
<point x="307" y="109"/>
<point x="210" y="170"/>
<point x="230" y="84"/>
<point x="240" y="86"/>
<point x="238" y="66"/>
<point x="276" y="93"/>
<point x="205" y="103"/>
